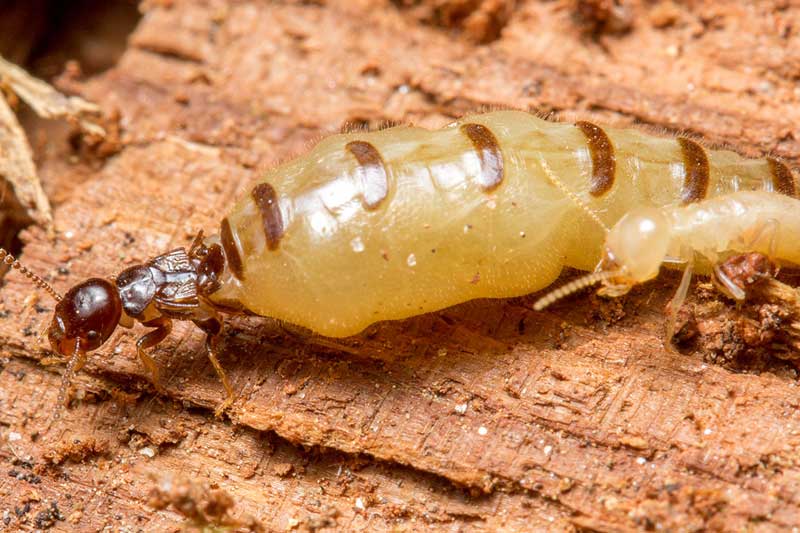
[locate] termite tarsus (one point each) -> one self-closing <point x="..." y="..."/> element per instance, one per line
<point x="373" y="226"/>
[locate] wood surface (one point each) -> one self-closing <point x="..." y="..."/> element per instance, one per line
<point x="484" y="417"/>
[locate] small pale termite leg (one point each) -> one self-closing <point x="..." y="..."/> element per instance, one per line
<point x="213" y="328"/>
<point x="163" y="327"/>
<point x="726" y="286"/>
<point x="74" y="364"/>
<point x="676" y="302"/>
<point x="769" y="230"/>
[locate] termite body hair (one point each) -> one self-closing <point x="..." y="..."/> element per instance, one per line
<point x="342" y="237"/>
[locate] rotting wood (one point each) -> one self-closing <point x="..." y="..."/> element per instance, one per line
<point x="574" y="418"/>
<point x="751" y="334"/>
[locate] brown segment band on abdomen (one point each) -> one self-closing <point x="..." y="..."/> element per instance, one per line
<point x="374" y="178"/>
<point x="231" y="250"/>
<point x="266" y="200"/>
<point x="489" y="154"/>
<point x="697" y="171"/>
<point x="782" y="178"/>
<point x="604" y="162"/>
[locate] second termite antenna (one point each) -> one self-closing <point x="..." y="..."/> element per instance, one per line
<point x="9" y="260"/>
<point x="572" y="287"/>
<point x="571" y="195"/>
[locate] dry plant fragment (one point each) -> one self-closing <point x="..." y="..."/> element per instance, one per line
<point x="18" y="171"/>
<point x="17" y="168"/>
<point x="48" y="102"/>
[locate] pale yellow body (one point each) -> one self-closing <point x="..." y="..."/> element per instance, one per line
<point x="747" y="221"/>
<point x="438" y="239"/>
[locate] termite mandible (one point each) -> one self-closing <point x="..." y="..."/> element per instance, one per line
<point x="383" y="225"/>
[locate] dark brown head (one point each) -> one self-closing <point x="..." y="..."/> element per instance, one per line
<point x="88" y="313"/>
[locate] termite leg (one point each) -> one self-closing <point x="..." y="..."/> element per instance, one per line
<point x="676" y="302"/>
<point x="213" y="329"/>
<point x="163" y="327"/>
<point x="726" y="286"/>
<point x="768" y="230"/>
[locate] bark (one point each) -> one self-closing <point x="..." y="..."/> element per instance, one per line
<point x="485" y="416"/>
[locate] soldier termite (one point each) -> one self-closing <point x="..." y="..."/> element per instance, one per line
<point x="388" y="224"/>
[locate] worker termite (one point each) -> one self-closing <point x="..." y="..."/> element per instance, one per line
<point x="388" y="224"/>
<point x="708" y="236"/>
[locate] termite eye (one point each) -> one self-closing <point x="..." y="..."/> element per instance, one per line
<point x="89" y="312"/>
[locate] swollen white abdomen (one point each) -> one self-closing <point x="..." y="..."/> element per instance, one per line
<point x="394" y="223"/>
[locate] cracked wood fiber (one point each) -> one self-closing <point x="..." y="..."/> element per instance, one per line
<point x="485" y="416"/>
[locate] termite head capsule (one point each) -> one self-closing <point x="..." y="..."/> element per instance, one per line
<point x="88" y="314"/>
<point x="636" y="247"/>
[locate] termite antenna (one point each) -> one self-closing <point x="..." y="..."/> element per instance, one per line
<point x="572" y="287"/>
<point x="66" y="379"/>
<point x="571" y="195"/>
<point x="9" y="260"/>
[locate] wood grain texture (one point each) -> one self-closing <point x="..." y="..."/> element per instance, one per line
<point x="481" y="417"/>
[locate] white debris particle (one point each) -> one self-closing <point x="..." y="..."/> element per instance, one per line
<point x="461" y="408"/>
<point x="357" y="245"/>
<point x="610" y="503"/>
<point x="14" y="436"/>
<point x="148" y="452"/>
<point x="482" y="431"/>
<point x="412" y="260"/>
<point x="360" y="504"/>
<point x="641" y="460"/>
<point x="548" y="450"/>
<point x="708" y="431"/>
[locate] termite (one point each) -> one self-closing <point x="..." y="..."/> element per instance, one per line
<point x="383" y="225"/>
<point x="734" y="238"/>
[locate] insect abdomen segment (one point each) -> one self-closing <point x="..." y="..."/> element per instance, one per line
<point x="393" y="223"/>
